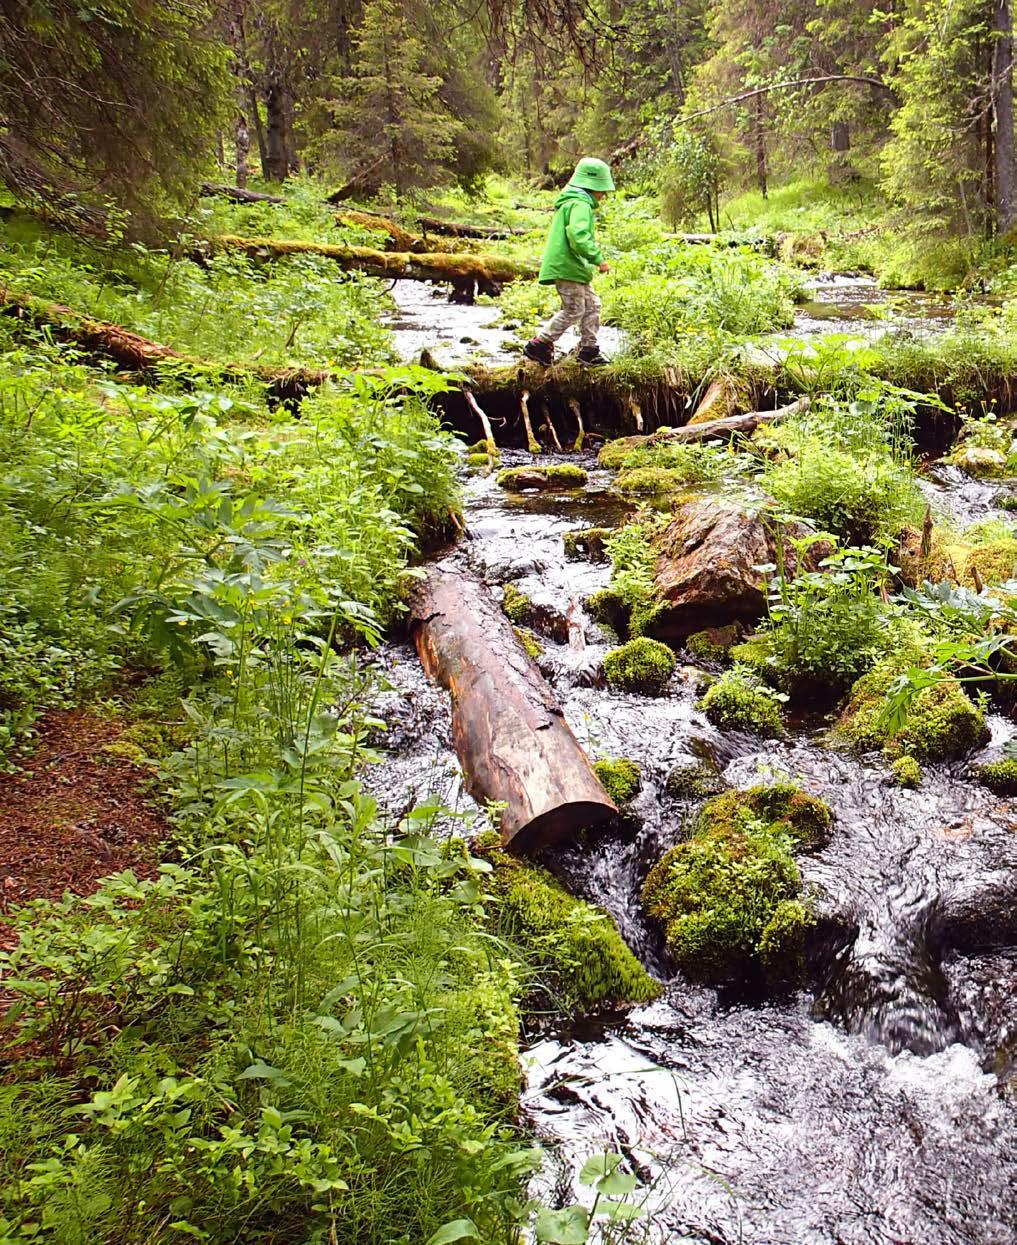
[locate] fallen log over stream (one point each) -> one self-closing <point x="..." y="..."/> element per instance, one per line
<point x="510" y="735"/>
<point x="451" y="229"/>
<point x="238" y="194"/>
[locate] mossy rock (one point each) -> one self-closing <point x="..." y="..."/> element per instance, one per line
<point x="754" y="653"/>
<point x="723" y="900"/>
<point x="1005" y="501"/>
<point x="610" y="609"/>
<point x="906" y="772"/>
<point x="620" y="777"/>
<point x="641" y="665"/>
<point x="582" y="961"/>
<point x="999" y="776"/>
<point x="713" y="644"/>
<point x="517" y="605"/>
<point x="694" y="780"/>
<point x="587" y="544"/>
<point x="531" y="645"/>
<point x="942" y="720"/>
<point x="955" y="558"/>
<point x="650" y="482"/>
<point x="979" y="460"/>
<point x="613" y="454"/>
<point x="740" y="701"/>
<point x="550" y="478"/>
<point x="783" y="806"/>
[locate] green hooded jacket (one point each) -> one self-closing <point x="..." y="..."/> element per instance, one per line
<point x="572" y="253"/>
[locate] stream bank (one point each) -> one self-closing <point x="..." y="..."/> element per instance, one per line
<point x="868" y="1107"/>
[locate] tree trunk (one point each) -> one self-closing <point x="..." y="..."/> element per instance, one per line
<point x="510" y="735"/>
<point x="1002" y="98"/>
<point x="259" y="128"/>
<point x="243" y="150"/>
<point x="840" y="137"/>
<point x="278" y="161"/>
<point x="759" y="142"/>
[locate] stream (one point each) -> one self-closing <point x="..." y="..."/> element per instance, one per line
<point x="870" y="1109"/>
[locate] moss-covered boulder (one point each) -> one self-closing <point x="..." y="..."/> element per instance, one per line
<point x="783" y="806"/>
<point x="610" y="608"/>
<point x="729" y="898"/>
<point x="979" y="460"/>
<point x="620" y="777"/>
<point x="941" y="722"/>
<point x="739" y="700"/>
<point x="946" y="555"/>
<point x="587" y="544"/>
<point x="552" y="478"/>
<point x="650" y="482"/>
<point x="641" y="665"/>
<point x="614" y="453"/>
<point x="539" y="616"/>
<point x="999" y="776"/>
<point x="581" y="960"/>
<point x="694" y="780"/>
<point x="714" y="643"/>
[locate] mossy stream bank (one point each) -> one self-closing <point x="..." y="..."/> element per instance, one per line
<point x="861" y="1104"/>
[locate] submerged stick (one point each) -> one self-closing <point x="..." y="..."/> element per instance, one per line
<point x="577" y="411"/>
<point x="532" y="444"/>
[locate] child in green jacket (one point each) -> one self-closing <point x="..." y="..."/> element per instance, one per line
<point x="570" y="259"/>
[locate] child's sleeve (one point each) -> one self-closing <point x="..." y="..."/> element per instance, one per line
<point x="579" y="232"/>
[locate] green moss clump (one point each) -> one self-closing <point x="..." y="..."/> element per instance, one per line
<point x="650" y="482"/>
<point x="805" y="819"/>
<point x="582" y="959"/>
<point x="995" y="562"/>
<point x="620" y="777"/>
<point x="941" y="722"/>
<point x="478" y="462"/>
<point x="714" y="643"/>
<point x="694" y="781"/>
<point x="999" y="776"/>
<point x="517" y="605"/>
<point x="560" y="475"/>
<point x="739" y="701"/>
<point x="641" y="665"/>
<point x="610" y="608"/>
<point x="783" y="937"/>
<point x="906" y="772"/>
<point x="755" y="653"/>
<point x="614" y="453"/>
<point x="1005" y="501"/>
<point x="720" y="894"/>
<point x="529" y="641"/>
<point x="586" y="543"/>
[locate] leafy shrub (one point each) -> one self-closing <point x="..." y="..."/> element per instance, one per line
<point x="641" y="665"/>
<point x="741" y="701"/>
<point x="621" y="778"/>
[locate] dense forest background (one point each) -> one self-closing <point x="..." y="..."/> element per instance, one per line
<point x="134" y="99"/>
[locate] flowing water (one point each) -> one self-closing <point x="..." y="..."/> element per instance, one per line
<point x="872" y="1108"/>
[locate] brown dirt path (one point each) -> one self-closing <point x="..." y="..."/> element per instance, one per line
<point x="74" y="814"/>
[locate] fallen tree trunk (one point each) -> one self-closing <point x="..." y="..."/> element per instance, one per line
<point x="402" y="239"/>
<point x="451" y="229"/>
<point x="363" y="184"/>
<point x="135" y="353"/>
<point x="483" y="272"/>
<point x="744" y="424"/>
<point x="511" y="738"/>
<point x="238" y="194"/>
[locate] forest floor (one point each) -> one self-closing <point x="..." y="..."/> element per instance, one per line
<point x="77" y="813"/>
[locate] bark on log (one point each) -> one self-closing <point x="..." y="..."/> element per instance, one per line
<point x="511" y="738"/>
<point x="238" y="194"/>
<point x="402" y="239"/>
<point x="485" y="270"/>
<point x="744" y="424"/>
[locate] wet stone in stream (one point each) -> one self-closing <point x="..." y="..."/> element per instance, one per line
<point x="864" y="1110"/>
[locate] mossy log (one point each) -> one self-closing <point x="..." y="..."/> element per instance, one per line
<point x="135" y="353"/>
<point x="237" y="195"/>
<point x="511" y="737"/>
<point x="401" y="239"/>
<point x="482" y="271"/>
<point x="452" y="229"/>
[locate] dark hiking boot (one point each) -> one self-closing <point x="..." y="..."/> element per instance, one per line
<point x="540" y="352"/>
<point x="591" y="356"/>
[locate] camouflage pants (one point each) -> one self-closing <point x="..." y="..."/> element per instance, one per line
<point x="579" y="305"/>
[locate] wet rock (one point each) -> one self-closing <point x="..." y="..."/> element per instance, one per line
<point x="542" y="616"/>
<point x="694" y="780"/>
<point x="706" y="573"/>
<point x="587" y="544"/>
<point x="713" y="643"/>
<point x="552" y="478"/>
<point x="979" y="460"/>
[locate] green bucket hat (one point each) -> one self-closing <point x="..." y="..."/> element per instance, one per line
<point x="592" y="174"/>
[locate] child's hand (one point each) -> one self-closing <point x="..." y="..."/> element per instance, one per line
<point x="605" y="267"/>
